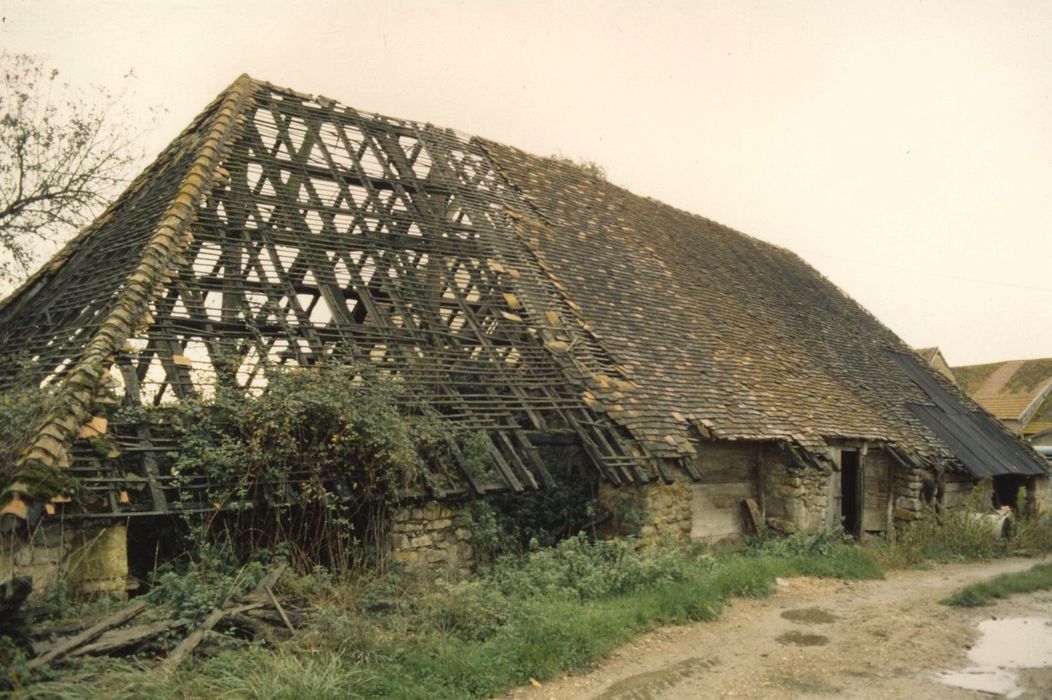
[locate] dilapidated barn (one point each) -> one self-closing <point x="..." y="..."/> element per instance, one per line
<point x="694" y="368"/>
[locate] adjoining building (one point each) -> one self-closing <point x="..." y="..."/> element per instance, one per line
<point x="933" y="356"/>
<point x="1019" y="393"/>
<point x="691" y="367"/>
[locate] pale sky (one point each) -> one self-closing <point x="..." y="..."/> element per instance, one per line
<point x="902" y="148"/>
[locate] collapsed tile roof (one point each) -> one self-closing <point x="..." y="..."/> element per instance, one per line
<point x="517" y="295"/>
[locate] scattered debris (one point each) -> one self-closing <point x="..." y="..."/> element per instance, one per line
<point x="70" y="643"/>
<point x="258" y="615"/>
<point x="187" y="646"/>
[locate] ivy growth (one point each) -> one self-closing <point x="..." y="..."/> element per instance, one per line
<point x="21" y="407"/>
<point x="315" y="463"/>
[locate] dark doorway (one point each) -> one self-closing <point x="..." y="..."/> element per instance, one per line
<point x="851" y="492"/>
<point x="1006" y="490"/>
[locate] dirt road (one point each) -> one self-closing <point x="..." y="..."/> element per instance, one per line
<point x="812" y="638"/>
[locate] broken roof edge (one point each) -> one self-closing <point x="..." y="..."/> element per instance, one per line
<point x="55" y="432"/>
<point x="50" y="267"/>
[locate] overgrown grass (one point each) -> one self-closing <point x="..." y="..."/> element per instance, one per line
<point x="1033" y="535"/>
<point x="535" y="616"/>
<point x="952" y="536"/>
<point x="1038" y="578"/>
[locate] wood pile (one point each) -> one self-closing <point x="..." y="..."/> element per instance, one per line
<point x="258" y="616"/>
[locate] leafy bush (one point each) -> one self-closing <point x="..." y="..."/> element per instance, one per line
<point x="580" y="569"/>
<point x="308" y="426"/>
<point x="510" y="522"/>
<point x="192" y="587"/>
<point x="469" y="610"/>
<point x="314" y="463"/>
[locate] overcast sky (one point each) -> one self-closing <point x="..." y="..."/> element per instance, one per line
<point x="902" y="148"/>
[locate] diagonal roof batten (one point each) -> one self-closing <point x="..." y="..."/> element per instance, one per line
<point x="513" y="295"/>
<point x="74" y="398"/>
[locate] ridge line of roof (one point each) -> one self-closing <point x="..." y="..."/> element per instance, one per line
<point x="57" y="429"/>
<point x="1027" y="414"/>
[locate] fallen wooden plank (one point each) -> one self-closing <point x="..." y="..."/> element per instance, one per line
<point x="281" y="610"/>
<point x="120" y="639"/>
<point x="71" y="643"/>
<point x="260" y="593"/>
<point x="190" y="642"/>
<point x="755" y="517"/>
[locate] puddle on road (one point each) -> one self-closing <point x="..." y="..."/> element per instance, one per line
<point x="810" y="616"/>
<point x="802" y="639"/>
<point x="649" y="686"/>
<point x="1004" y="647"/>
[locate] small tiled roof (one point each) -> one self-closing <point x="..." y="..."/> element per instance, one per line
<point x="928" y="354"/>
<point x="1013" y="390"/>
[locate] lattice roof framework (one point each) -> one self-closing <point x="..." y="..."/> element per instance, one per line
<point x="285" y="229"/>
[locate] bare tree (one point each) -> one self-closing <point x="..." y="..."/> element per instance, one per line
<point x="63" y="154"/>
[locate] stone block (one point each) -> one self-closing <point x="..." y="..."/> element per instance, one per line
<point x="782" y="525"/>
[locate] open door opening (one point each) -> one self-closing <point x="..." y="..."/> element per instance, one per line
<point x="1007" y="489"/>
<point x="851" y="492"/>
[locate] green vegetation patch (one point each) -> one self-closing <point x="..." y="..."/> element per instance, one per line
<point x="536" y="615"/>
<point x="1038" y="578"/>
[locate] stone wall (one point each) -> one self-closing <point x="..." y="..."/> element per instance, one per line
<point x="92" y="559"/>
<point x="668" y="515"/>
<point x="907" y="491"/>
<point x="796" y="499"/>
<point x="432" y="535"/>
<point x="1039" y="494"/>
<point x="653" y="512"/>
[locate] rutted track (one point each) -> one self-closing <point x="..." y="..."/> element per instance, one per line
<point x="868" y="639"/>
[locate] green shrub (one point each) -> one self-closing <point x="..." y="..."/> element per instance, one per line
<point x="510" y="522"/>
<point x="957" y="536"/>
<point x="192" y="586"/>
<point x="580" y="569"/>
<point x="314" y="463"/>
<point x="470" y="610"/>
